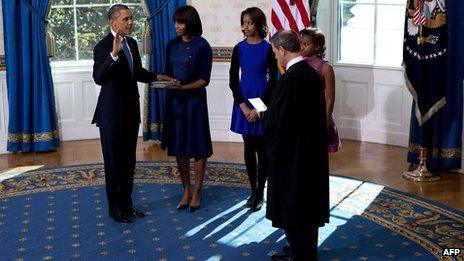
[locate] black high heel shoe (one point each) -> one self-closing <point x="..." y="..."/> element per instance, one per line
<point x="193" y="208"/>
<point x="184" y="205"/>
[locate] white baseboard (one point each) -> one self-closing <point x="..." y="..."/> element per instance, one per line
<point x="3" y="147"/>
<point x="79" y="133"/>
<point x="373" y="135"/>
<point x="225" y="136"/>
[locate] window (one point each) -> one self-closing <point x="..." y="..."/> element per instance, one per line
<point x="78" y="25"/>
<point x="371" y="31"/>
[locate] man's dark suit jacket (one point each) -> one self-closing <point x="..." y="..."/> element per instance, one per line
<point x="118" y="103"/>
<point x="118" y="117"/>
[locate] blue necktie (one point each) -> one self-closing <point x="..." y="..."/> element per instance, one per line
<point x="128" y="55"/>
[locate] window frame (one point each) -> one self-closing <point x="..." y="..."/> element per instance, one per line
<point x="84" y="64"/>
<point x="336" y="20"/>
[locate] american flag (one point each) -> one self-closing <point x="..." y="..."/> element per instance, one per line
<point x="419" y="17"/>
<point x="290" y="14"/>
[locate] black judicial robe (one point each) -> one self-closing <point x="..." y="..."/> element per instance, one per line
<point x="296" y="143"/>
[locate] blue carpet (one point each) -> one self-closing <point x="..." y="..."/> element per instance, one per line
<point x="61" y="214"/>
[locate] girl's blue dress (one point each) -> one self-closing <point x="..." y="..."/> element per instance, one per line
<point x="254" y="65"/>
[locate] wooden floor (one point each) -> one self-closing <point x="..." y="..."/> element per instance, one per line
<point x="376" y="163"/>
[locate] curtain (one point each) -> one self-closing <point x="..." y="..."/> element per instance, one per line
<point x="162" y="30"/>
<point x="32" y="124"/>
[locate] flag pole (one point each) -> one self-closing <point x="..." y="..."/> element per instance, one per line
<point x="421" y="173"/>
<point x="313" y="12"/>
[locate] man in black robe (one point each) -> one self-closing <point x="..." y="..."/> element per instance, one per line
<point x="295" y="132"/>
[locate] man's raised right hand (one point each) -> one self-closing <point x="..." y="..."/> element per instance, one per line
<point x="117" y="44"/>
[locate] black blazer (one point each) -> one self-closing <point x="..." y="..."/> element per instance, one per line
<point x="118" y="103"/>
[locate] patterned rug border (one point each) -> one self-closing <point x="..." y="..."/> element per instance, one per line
<point x="433" y="248"/>
<point x="138" y="163"/>
<point x="100" y="182"/>
<point x="425" y="206"/>
<point x="438" y="207"/>
<point x="426" y="244"/>
<point x="414" y="198"/>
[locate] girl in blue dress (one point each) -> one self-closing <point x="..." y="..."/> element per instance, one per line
<point x="254" y="58"/>
<point x="186" y="131"/>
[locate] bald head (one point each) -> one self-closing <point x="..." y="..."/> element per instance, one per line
<point x="286" y="46"/>
<point x="286" y="39"/>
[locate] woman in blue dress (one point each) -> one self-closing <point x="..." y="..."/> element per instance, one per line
<point x="186" y="131"/>
<point x="254" y="57"/>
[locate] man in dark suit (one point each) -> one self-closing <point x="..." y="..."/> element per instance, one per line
<point x="117" y="69"/>
<point x="295" y="133"/>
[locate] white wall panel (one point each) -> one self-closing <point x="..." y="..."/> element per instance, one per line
<point x="80" y="103"/>
<point x="220" y="102"/>
<point x="65" y="101"/>
<point x="389" y="101"/>
<point x="89" y="95"/>
<point x="372" y="105"/>
<point x="353" y="101"/>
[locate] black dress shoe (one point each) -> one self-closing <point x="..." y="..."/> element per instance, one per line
<point x="133" y="212"/>
<point x="257" y="203"/>
<point x="286" y="249"/>
<point x="249" y="202"/>
<point x="121" y="217"/>
<point x="283" y="257"/>
<point x="193" y="208"/>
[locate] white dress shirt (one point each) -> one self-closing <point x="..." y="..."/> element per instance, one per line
<point x="294" y="60"/>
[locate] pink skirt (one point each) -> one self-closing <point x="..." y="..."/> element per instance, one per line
<point x="335" y="144"/>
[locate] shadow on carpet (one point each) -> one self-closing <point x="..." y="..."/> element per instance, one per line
<point x="61" y="214"/>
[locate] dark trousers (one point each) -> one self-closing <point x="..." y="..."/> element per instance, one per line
<point x="303" y="243"/>
<point x="118" y="146"/>
<point x="256" y="162"/>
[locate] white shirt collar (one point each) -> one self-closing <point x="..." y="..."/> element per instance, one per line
<point x="114" y="34"/>
<point x="294" y="60"/>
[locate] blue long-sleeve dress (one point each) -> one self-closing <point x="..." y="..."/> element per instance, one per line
<point x="258" y="71"/>
<point x="186" y="130"/>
